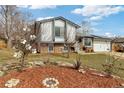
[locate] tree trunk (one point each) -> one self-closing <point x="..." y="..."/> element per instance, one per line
<point x="68" y="55"/>
<point x="22" y="61"/>
<point x="9" y="43"/>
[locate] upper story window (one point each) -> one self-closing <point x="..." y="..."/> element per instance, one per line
<point x="59" y="28"/>
<point x="88" y="42"/>
<point x="59" y="31"/>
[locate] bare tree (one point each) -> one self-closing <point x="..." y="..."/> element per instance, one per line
<point x="86" y="28"/>
<point x="69" y="43"/>
<point x="12" y="21"/>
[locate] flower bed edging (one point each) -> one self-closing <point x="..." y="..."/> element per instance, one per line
<point x="82" y="71"/>
<point x="50" y="82"/>
<point x="12" y="82"/>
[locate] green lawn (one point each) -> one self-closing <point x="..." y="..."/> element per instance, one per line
<point x="6" y="55"/>
<point x="90" y="60"/>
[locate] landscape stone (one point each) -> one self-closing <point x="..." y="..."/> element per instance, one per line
<point x="65" y="64"/>
<point x="5" y="68"/>
<point x="12" y="82"/>
<point x="82" y="71"/>
<point x="38" y="63"/>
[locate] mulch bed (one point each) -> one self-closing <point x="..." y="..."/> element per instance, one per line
<point x="67" y="77"/>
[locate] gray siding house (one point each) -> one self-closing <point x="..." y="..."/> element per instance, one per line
<point x="93" y="43"/>
<point x="53" y="33"/>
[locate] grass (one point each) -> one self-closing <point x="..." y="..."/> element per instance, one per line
<point x="6" y="55"/>
<point x="90" y="60"/>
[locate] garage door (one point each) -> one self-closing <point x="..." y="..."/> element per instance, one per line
<point x="101" y="46"/>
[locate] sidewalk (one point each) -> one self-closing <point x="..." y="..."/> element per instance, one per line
<point x="118" y="54"/>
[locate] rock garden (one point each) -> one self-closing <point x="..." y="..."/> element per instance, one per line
<point x="39" y="74"/>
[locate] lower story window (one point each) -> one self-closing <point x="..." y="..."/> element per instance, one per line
<point x="50" y="47"/>
<point x="88" y="42"/>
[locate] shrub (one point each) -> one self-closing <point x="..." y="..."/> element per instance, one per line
<point x="77" y="63"/>
<point x="110" y="67"/>
<point x="23" y="46"/>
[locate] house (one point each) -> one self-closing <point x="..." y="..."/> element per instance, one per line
<point x="102" y="44"/>
<point x="85" y="42"/>
<point x="53" y="33"/>
<point x="93" y="43"/>
<point x="118" y="44"/>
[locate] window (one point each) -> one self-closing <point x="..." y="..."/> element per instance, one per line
<point x="59" y="31"/>
<point x="88" y="42"/>
<point x="50" y="47"/>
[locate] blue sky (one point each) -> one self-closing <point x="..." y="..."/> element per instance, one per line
<point x="105" y="20"/>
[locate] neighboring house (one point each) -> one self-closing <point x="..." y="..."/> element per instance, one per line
<point x="102" y="44"/>
<point x="85" y="43"/>
<point x="118" y="44"/>
<point x="93" y="43"/>
<point x="52" y="34"/>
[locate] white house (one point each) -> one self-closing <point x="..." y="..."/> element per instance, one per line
<point x="101" y="44"/>
<point x="53" y="33"/>
<point x="93" y="43"/>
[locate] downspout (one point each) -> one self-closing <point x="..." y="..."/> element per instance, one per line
<point x="53" y="33"/>
<point x="39" y="38"/>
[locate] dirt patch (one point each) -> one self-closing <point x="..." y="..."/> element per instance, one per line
<point x="67" y="77"/>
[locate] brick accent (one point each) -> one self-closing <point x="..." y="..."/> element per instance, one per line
<point x="58" y="48"/>
<point x="43" y="48"/>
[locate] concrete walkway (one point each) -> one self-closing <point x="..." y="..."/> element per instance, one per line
<point x="84" y="53"/>
<point x="117" y="54"/>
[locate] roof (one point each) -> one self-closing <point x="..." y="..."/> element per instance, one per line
<point x="81" y="35"/>
<point x="59" y="17"/>
<point x="93" y="36"/>
<point x="101" y="38"/>
<point x="118" y="40"/>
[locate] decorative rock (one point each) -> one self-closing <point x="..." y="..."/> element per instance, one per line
<point x="93" y="69"/>
<point x="98" y="74"/>
<point x="50" y="82"/>
<point x="82" y="71"/>
<point x="2" y="73"/>
<point x="12" y="82"/>
<point x="65" y="64"/>
<point x="5" y="68"/>
<point x="38" y="63"/>
<point x="115" y="76"/>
